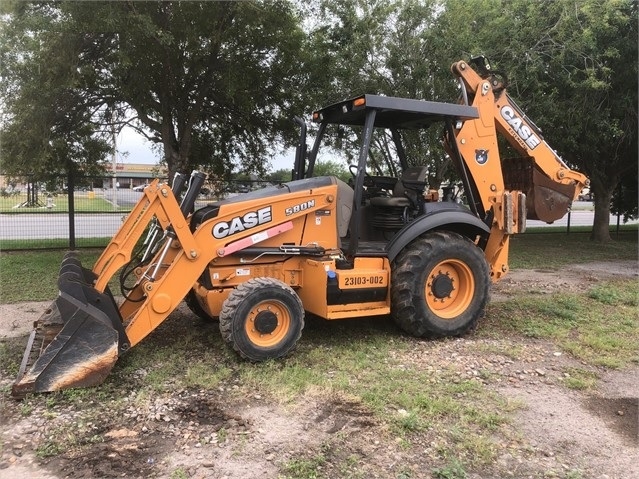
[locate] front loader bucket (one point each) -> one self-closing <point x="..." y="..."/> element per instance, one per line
<point x="76" y="342"/>
<point x="546" y="200"/>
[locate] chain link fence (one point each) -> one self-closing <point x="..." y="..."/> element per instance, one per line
<point x="87" y="213"/>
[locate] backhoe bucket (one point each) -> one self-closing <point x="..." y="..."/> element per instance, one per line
<point x="546" y="200"/>
<point x="76" y="342"/>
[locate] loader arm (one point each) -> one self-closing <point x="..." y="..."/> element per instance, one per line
<point x="158" y="201"/>
<point x="79" y="339"/>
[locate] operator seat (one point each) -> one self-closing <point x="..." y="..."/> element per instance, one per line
<point x="406" y="191"/>
<point x="344" y="206"/>
<point x="392" y="213"/>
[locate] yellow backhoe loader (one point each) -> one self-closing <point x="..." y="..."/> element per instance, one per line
<point x="384" y="245"/>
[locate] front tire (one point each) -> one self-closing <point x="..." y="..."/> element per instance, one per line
<point x="440" y="286"/>
<point x="262" y="319"/>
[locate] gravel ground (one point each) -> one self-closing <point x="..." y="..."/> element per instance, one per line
<point x="557" y="432"/>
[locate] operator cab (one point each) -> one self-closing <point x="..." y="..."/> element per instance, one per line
<point x="391" y="198"/>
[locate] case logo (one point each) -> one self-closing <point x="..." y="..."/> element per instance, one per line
<point x="523" y="131"/>
<point x="243" y="223"/>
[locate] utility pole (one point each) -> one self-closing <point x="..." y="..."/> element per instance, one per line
<point x="115" y="163"/>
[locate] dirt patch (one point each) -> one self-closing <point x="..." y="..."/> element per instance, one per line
<point x="571" y="432"/>
<point x="569" y="279"/>
<point x="619" y="414"/>
<point x="202" y="434"/>
<point x="17" y="319"/>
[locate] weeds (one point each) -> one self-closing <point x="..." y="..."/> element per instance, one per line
<point x="303" y="468"/>
<point x="179" y="473"/>
<point x="10" y="354"/>
<point x="49" y="448"/>
<point x="26" y="409"/>
<point x="599" y="327"/>
<point x="453" y="470"/>
<point x="577" y="378"/>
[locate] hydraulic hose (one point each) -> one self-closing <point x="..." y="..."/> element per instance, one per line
<point x="193" y="191"/>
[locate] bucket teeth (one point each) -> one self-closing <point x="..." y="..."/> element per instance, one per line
<point x="45" y="329"/>
<point x="77" y="340"/>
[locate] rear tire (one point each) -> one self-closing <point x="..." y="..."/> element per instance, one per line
<point x="440" y="286"/>
<point x="262" y="319"/>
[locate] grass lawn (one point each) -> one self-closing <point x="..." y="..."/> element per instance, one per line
<point x="32" y="275"/>
<point x="84" y="202"/>
<point x="542" y="249"/>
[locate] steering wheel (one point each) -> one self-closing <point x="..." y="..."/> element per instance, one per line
<point x="369" y="181"/>
<point x="353" y="170"/>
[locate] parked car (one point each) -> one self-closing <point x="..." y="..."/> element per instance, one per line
<point x="585" y="195"/>
<point x="140" y="187"/>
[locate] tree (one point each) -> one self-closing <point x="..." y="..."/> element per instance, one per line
<point x="215" y="83"/>
<point x="570" y="64"/>
<point x="392" y="48"/>
<point x="331" y="168"/>
<point x="279" y="176"/>
<point x="573" y="66"/>
<point x="43" y="134"/>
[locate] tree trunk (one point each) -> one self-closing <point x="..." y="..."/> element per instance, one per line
<point x="177" y="160"/>
<point x="601" y="223"/>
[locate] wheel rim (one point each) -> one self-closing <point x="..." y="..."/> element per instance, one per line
<point x="450" y="287"/>
<point x="267" y="323"/>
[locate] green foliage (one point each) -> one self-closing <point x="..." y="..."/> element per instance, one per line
<point x="570" y="65"/>
<point x="331" y="168"/>
<point x="214" y="83"/>
<point x="453" y="470"/>
<point x="280" y="176"/>
<point x="179" y="473"/>
<point x="572" y="68"/>
<point x="578" y="378"/>
<point x="410" y="422"/>
<point x="609" y="294"/>
<point x="202" y="375"/>
<point x="303" y="468"/>
<point x="625" y="199"/>
<point x="26" y="409"/>
<point x="49" y="448"/>
<point x="46" y="125"/>
<point x="389" y="48"/>
<point x="10" y="355"/>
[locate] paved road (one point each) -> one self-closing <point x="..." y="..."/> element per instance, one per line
<point x="56" y="225"/>
<point x="577" y="218"/>
<point x="42" y="226"/>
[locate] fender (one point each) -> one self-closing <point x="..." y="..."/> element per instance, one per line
<point x="451" y="216"/>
